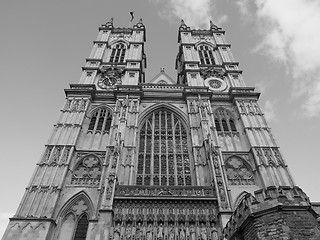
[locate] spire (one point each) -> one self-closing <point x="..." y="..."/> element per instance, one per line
<point x="183" y="26"/>
<point x="109" y="24"/>
<point x="213" y="26"/>
<point x="139" y="24"/>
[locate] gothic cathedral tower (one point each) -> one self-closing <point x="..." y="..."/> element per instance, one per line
<point x="132" y="158"/>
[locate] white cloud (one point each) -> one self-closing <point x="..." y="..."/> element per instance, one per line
<point x="290" y="31"/>
<point x="269" y="110"/>
<point x="195" y="13"/>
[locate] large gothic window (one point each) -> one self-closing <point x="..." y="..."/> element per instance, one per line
<point x="87" y="171"/>
<point x="206" y="55"/>
<point x="118" y="53"/>
<point x="100" y="121"/>
<point x="163" y="157"/>
<point x="224" y="121"/>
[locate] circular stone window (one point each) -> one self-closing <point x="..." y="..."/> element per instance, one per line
<point x="215" y="84"/>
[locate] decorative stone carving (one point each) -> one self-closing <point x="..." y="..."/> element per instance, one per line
<point x="56" y="155"/>
<point x="117" y="232"/>
<point x="109" y="24"/>
<point x="47" y="154"/>
<point x="149" y="232"/>
<point x="212" y="72"/>
<point x="139" y="24"/>
<point x="203" y="232"/>
<point x="165" y="191"/>
<point x="213" y="26"/>
<point x="238" y="172"/>
<point x="80" y="207"/>
<point x="110" y="77"/>
<point x="87" y="171"/>
<point x="160" y="234"/>
<point x="65" y="155"/>
<point x="183" y="26"/>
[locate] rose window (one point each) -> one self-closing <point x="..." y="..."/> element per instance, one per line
<point x="87" y="171"/>
<point x="239" y="172"/>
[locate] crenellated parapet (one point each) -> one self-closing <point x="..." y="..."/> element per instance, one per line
<point x="267" y="212"/>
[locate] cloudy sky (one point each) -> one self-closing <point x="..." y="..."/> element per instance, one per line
<point x="43" y="45"/>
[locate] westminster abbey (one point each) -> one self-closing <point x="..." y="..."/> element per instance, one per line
<point x="184" y="158"/>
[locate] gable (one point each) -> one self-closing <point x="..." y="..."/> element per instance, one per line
<point x="162" y="78"/>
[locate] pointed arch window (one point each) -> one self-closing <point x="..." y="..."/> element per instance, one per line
<point x="224" y="121"/>
<point x="206" y="55"/>
<point x="82" y="228"/>
<point x="100" y="121"/>
<point x="118" y="53"/>
<point x="163" y="157"/>
<point x="74" y="225"/>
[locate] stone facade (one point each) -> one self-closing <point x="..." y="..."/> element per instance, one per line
<point x="134" y="158"/>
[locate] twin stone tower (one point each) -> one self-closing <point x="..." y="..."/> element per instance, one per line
<point x="132" y="158"/>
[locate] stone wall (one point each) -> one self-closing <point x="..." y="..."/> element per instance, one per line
<point x="274" y="213"/>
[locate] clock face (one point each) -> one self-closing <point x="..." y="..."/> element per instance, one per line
<point x="106" y="82"/>
<point x="215" y="84"/>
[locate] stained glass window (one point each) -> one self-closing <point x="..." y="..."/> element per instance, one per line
<point x="100" y="121"/>
<point x="163" y="157"/>
<point x="118" y="53"/>
<point x="82" y="227"/>
<point x="206" y="55"/>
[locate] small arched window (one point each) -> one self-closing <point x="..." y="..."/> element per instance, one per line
<point x="217" y="123"/>
<point x="100" y="121"/>
<point x="118" y="53"/>
<point x="163" y="157"/>
<point x="232" y="125"/>
<point x="225" y="125"/>
<point x="206" y="55"/>
<point x="224" y="121"/>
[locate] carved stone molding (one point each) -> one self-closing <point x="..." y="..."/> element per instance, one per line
<point x="126" y="191"/>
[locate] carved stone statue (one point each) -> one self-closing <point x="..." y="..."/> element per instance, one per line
<point x="138" y="233"/>
<point x="128" y="232"/>
<point x="149" y="232"/>
<point x="171" y="232"/>
<point x="182" y="235"/>
<point x="214" y="232"/>
<point x="203" y="232"/>
<point x="192" y="232"/>
<point x="160" y="232"/>
<point x="117" y="232"/>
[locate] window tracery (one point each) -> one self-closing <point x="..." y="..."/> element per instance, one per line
<point x="238" y="172"/>
<point x="74" y="224"/>
<point x="118" y="53"/>
<point x="87" y="171"/>
<point x="163" y="157"/>
<point x="224" y="121"/>
<point x="100" y="121"/>
<point x="206" y="55"/>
